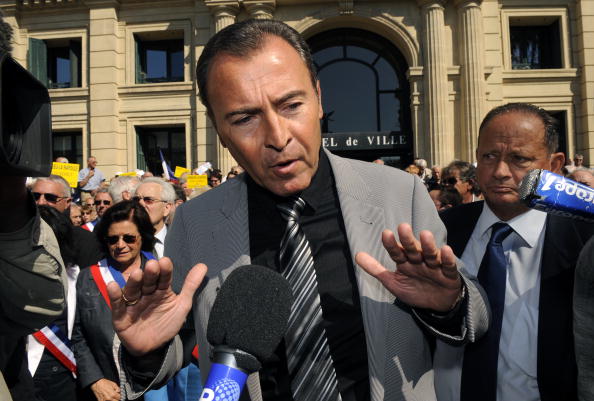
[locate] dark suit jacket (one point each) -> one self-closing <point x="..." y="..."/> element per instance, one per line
<point x="92" y="336"/>
<point x="564" y="239"/>
<point x="87" y="247"/>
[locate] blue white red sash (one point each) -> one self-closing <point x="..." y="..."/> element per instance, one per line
<point x="103" y="273"/>
<point x="58" y="344"/>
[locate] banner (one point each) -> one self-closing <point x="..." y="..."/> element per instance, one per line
<point x="197" y="181"/>
<point x="180" y="170"/>
<point x="131" y="174"/>
<point x="68" y="171"/>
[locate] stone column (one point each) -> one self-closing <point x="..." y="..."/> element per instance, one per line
<point x="106" y="142"/>
<point x="224" y="14"/>
<point x="259" y="9"/>
<point x="435" y="83"/>
<point x="585" y="102"/>
<point x="472" y="74"/>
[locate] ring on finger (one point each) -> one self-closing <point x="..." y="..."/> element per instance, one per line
<point x="129" y="302"/>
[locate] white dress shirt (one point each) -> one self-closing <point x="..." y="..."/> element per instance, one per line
<point x="160" y="242"/>
<point x="35" y="348"/>
<point x="517" y="368"/>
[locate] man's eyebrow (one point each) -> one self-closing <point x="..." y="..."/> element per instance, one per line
<point x="247" y="110"/>
<point x="289" y="96"/>
<point x="257" y="110"/>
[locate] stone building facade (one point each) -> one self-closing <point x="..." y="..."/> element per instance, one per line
<point x="399" y="79"/>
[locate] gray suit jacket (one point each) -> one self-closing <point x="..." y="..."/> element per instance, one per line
<point x="213" y="229"/>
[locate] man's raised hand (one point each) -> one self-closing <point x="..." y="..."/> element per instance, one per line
<point x="146" y="313"/>
<point x="426" y="276"/>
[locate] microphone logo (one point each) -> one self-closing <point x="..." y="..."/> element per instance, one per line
<point x="223" y="384"/>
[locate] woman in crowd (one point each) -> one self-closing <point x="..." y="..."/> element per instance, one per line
<point x="127" y="235"/>
<point x="75" y="214"/>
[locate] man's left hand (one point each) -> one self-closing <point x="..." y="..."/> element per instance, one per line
<point x="426" y="277"/>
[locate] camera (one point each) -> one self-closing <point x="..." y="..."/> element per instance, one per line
<point x="25" y="122"/>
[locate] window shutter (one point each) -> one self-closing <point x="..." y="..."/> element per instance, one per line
<point x="37" y="59"/>
<point x="140" y="158"/>
<point x="75" y="73"/>
<point x="138" y="67"/>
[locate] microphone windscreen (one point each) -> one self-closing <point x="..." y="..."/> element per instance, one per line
<point x="251" y="312"/>
<point x="528" y="185"/>
<point x="552" y="193"/>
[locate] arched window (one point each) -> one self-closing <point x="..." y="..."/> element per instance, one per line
<point x="365" y="95"/>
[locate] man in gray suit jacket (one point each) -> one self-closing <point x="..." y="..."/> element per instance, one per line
<point x="258" y="83"/>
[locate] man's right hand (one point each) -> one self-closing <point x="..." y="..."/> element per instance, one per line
<point x="106" y="390"/>
<point x="159" y="313"/>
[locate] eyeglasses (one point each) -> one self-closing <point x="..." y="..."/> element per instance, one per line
<point x="128" y="239"/>
<point x="147" y="199"/>
<point x="51" y="198"/>
<point x="105" y="202"/>
<point x="450" y="181"/>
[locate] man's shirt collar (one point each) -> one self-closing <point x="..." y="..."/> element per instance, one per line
<point x="528" y="225"/>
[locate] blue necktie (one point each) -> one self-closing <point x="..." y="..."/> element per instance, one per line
<point x="479" y="370"/>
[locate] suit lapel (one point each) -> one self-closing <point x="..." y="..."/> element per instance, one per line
<point x="364" y="223"/>
<point x="231" y="236"/>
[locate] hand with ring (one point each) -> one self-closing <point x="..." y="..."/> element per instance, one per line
<point x="146" y="313"/>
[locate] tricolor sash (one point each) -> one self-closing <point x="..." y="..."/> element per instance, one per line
<point x="104" y="273"/>
<point x="58" y="345"/>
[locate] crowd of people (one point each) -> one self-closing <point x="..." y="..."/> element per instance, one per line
<point x="457" y="183"/>
<point x="475" y="302"/>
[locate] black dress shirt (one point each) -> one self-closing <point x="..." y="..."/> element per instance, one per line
<point x="323" y="226"/>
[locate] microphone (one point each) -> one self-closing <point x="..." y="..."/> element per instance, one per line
<point x="247" y="321"/>
<point x="555" y="194"/>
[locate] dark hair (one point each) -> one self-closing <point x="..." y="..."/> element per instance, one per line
<point x="62" y="228"/>
<point x="467" y="170"/>
<point x="243" y="39"/>
<point x="550" y="124"/>
<point x="449" y="197"/>
<point x="179" y="193"/>
<point x="5" y="35"/>
<point x="127" y="210"/>
<point x="215" y="173"/>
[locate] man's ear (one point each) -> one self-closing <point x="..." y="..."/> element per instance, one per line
<point x="557" y="161"/>
<point x="168" y="208"/>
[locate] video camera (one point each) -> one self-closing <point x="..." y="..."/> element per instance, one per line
<point x="25" y="122"/>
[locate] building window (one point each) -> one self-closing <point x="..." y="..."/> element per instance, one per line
<point x="535" y="43"/>
<point x="56" y="62"/>
<point x="365" y="95"/>
<point x="69" y="145"/>
<point x="159" y="60"/>
<point x="171" y="141"/>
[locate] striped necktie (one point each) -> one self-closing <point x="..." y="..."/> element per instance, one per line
<point x="479" y="369"/>
<point x="308" y="356"/>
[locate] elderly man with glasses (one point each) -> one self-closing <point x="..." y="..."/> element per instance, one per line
<point x="157" y="196"/>
<point x="54" y="191"/>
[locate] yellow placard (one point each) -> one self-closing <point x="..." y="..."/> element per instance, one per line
<point x="180" y="170"/>
<point x="197" y="181"/>
<point x="68" y="171"/>
<point x="131" y="173"/>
